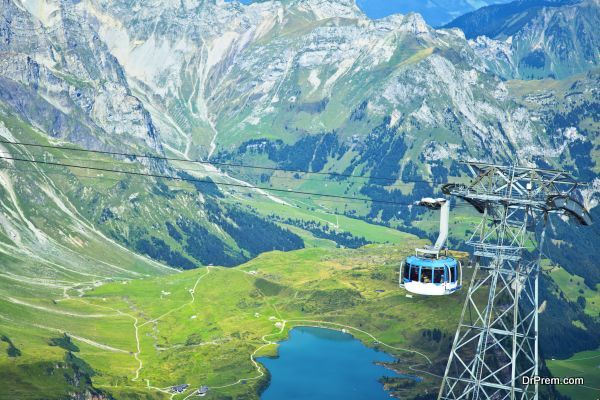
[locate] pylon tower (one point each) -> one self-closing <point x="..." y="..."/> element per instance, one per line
<point x="496" y="343"/>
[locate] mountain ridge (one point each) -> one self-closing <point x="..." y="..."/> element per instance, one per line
<point x="493" y="20"/>
<point x="534" y="39"/>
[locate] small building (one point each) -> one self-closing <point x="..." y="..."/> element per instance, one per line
<point x="202" y="391"/>
<point x="179" y="388"/>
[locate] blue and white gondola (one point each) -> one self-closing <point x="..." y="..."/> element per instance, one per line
<point x="431" y="272"/>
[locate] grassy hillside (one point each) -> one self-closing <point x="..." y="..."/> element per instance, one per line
<point x="182" y="224"/>
<point x="584" y="364"/>
<point x="205" y="326"/>
<point x="576" y="291"/>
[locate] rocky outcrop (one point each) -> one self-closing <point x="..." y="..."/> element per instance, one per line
<point x="57" y="74"/>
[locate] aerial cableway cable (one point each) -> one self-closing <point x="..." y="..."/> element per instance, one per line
<point x="289" y="195"/>
<point x="214" y="163"/>
<point x="197" y="180"/>
<point x="287" y="178"/>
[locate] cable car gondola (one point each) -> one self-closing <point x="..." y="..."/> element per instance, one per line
<point x="431" y="271"/>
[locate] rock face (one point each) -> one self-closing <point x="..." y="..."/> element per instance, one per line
<point x="57" y="74"/>
<point x="215" y="74"/>
<point x="536" y="38"/>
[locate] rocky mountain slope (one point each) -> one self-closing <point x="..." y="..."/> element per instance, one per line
<point x="217" y="75"/>
<point x="535" y="38"/>
<point x="59" y="82"/>
<point x="61" y="78"/>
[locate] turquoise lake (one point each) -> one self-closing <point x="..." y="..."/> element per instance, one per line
<point x="316" y="363"/>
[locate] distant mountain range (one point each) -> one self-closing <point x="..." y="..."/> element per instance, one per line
<point x="536" y="38"/>
<point x="503" y="20"/>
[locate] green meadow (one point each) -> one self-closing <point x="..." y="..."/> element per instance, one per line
<point x="586" y="365"/>
<point x="574" y="287"/>
<point x="206" y="326"/>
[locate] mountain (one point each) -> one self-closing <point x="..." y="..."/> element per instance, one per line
<point x="288" y="71"/>
<point x="570" y="105"/>
<point x="60" y="83"/>
<point x="300" y="84"/>
<point x="535" y="38"/>
<point x="64" y="81"/>
<point x="503" y="20"/>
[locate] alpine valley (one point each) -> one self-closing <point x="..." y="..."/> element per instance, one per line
<point x="194" y="262"/>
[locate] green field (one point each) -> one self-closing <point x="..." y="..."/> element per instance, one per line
<point x="586" y="365"/>
<point x="573" y="287"/>
<point x="206" y="326"/>
<point x="323" y="211"/>
<point x="137" y="326"/>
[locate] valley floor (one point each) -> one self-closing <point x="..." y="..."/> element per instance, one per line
<point x="205" y="327"/>
<point x="136" y="338"/>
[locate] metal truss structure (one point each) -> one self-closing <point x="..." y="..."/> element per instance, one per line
<point x="496" y="343"/>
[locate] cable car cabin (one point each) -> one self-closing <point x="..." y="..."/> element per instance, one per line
<point x="429" y="272"/>
<point x="431" y="276"/>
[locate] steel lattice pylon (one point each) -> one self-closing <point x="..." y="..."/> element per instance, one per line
<point x="496" y="342"/>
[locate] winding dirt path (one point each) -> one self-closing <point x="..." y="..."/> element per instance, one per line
<point x="192" y="293"/>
